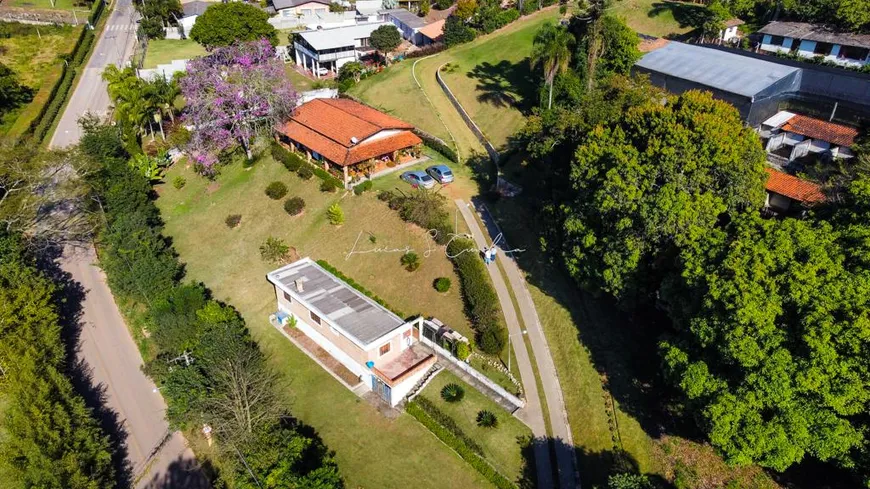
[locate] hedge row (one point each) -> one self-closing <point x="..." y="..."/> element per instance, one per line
<point x="57" y="97"/>
<point x="294" y="162"/>
<point x="437" y="144"/>
<point x="331" y="269"/>
<point x="448" y="423"/>
<point x="42" y="123"/>
<point x="480" y="298"/>
<point x="482" y="466"/>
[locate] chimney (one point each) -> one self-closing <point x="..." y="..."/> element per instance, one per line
<point x="299" y="287"/>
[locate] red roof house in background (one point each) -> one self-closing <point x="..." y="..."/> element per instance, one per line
<point x="783" y="190"/>
<point x="344" y="133"/>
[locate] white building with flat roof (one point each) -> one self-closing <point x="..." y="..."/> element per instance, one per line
<point x="324" y="51"/>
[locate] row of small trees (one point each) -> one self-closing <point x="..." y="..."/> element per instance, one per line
<point x="210" y="370"/>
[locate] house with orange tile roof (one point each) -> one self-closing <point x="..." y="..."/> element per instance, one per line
<point x="348" y="137"/>
<point x="786" y="192"/>
<point x="789" y="137"/>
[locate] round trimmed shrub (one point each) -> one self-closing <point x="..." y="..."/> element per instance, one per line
<point x="276" y="190"/>
<point x="442" y="284"/>
<point x="486" y="419"/>
<point x="294" y="206"/>
<point x="411" y="261"/>
<point x="233" y="220"/>
<point x="452" y="392"/>
<point x="305" y="172"/>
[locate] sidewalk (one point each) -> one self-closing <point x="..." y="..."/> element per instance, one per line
<point x="532" y="414"/>
<point x="565" y="458"/>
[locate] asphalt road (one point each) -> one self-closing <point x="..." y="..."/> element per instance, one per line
<point x="158" y="458"/>
<point x="114" y="46"/>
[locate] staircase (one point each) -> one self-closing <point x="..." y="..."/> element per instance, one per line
<point x="424" y="381"/>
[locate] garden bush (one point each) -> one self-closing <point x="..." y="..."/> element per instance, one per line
<point x="233" y="220"/>
<point x="411" y="261"/>
<point x="179" y="182"/>
<point x="335" y="214"/>
<point x="294" y="206"/>
<point x="481" y="301"/>
<point x="459" y="446"/>
<point x="331" y="269"/>
<point x="442" y="284"/>
<point x="327" y="177"/>
<point x="446" y="421"/>
<point x="463" y="350"/>
<point x="274" y="250"/>
<point x="386" y="196"/>
<point x="363" y="187"/>
<point x="276" y="190"/>
<point x="438" y="145"/>
<point x="423" y="208"/>
<point x="327" y="186"/>
<point x="452" y="392"/>
<point x="305" y="172"/>
<point x="486" y="419"/>
<point x="291" y="161"/>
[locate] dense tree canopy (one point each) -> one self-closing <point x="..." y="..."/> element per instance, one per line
<point x="156" y="14"/>
<point x="848" y="14"/>
<point x="223" y="24"/>
<point x="773" y="350"/>
<point x="613" y="52"/>
<point x="50" y="439"/>
<point x="386" y="38"/>
<point x="653" y="180"/>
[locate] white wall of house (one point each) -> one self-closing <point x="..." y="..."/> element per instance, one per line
<point x="766" y="44"/>
<point x="401" y="390"/>
<point x="729" y="33"/>
<point x="807" y="48"/>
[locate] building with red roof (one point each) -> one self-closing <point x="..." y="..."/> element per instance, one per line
<point x="784" y="191"/>
<point x="344" y="135"/>
<point x="788" y="137"/>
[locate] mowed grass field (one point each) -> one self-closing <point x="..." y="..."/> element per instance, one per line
<point x="372" y="451"/>
<point x="162" y="51"/>
<point x="500" y="445"/>
<point x="35" y="60"/>
<point x="659" y="18"/>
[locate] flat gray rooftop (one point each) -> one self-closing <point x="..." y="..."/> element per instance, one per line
<point x="406" y="17"/>
<point x="361" y="318"/>
<point x="725" y="71"/>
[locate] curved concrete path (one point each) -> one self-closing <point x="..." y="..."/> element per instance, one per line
<point x="561" y="437"/>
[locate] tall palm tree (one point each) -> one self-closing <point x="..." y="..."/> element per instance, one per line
<point x="551" y="49"/>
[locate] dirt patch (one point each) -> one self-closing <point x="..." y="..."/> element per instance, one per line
<point x="323" y="356"/>
<point x="212" y="187"/>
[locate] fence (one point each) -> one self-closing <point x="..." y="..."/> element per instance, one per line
<point x="519" y="403"/>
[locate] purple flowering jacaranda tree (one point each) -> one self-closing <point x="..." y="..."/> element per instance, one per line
<point x="232" y="95"/>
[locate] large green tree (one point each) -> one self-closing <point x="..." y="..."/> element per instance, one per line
<point x="650" y="182"/>
<point x="12" y="93"/>
<point x="386" y="38"/>
<point x="223" y="24"/>
<point x="772" y="348"/>
<point x="156" y="14"/>
<point x="49" y="438"/>
<point x="605" y="46"/>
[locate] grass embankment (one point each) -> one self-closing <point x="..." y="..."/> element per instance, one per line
<point x="228" y="262"/>
<point x="164" y="51"/>
<point x="46" y="4"/>
<point x="500" y="444"/>
<point x="490" y="76"/>
<point x="35" y="59"/>
<point x="657" y="17"/>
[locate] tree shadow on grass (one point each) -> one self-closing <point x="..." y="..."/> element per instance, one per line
<point x="686" y="15"/>
<point x="70" y="300"/>
<point x="505" y="84"/>
<point x="182" y="473"/>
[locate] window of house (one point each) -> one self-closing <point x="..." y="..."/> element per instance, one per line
<point x="383" y="350"/>
<point x="776" y="40"/>
<point x="306" y="11"/>
<point x="314" y="317"/>
<point x="853" y="52"/>
<point x="287" y="297"/>
<point x="823" y="48"/>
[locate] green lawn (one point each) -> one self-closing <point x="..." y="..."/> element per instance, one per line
<point x="500" y="447"/>
<point x="34" y="58"/>
<point x="300" y="82"/>
<point x="162" y="51"/>
<point x="46" y="4"/>
<point x="658" y="18"/>
<point x="371" y="450"/>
